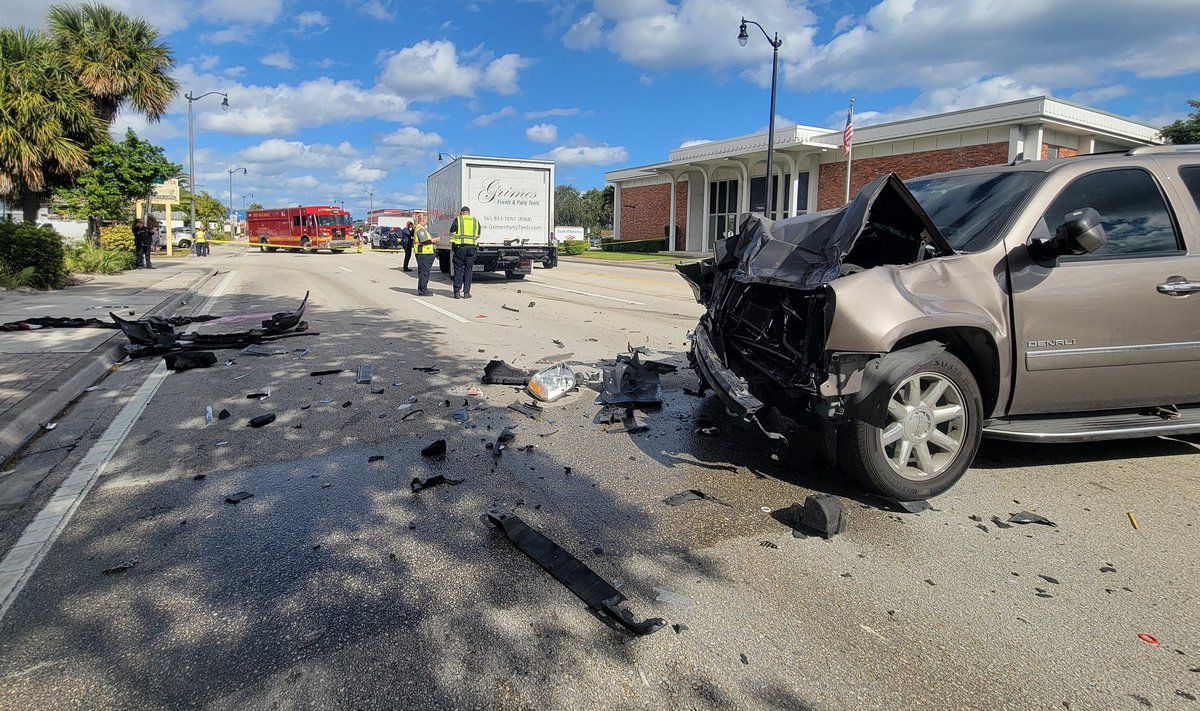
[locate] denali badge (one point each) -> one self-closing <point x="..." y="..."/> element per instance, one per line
<point x="1055" y="342"/>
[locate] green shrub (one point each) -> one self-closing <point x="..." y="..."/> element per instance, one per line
<point x="88" y="259"/>
<point x="23" y="245"/>
<point x="15" y="280"/>
<point x="117" y="237"/>
<point x="639" y="245"/>
<point x="573" y="246"/>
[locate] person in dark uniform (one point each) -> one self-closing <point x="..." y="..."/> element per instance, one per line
<point x="143" y="238"/>
<point x="425" y="254"/>
<point x="464" y="238"/>
<point x="406" y="241"/>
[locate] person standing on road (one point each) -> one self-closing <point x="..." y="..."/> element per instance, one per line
<point x="142" y="239"/>
<point x="201" y="241"/>
<point x="464" y="237"/>
<point x="406" y="241"/>
<point x="425" y="254"/>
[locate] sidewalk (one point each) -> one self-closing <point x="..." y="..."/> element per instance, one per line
<point x="42" y="371"/>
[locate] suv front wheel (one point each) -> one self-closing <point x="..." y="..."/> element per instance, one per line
<point x="930" y="435"/>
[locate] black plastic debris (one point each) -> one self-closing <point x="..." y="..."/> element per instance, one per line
<point x="598" y="593"/>
<point x="331" y="371"/>
<point x="258" y="396"/>
<point x="348" y="403"/>
<point x="502" y="440"/>
<point x="823" y="515"/>
<point x="768" y="544"/>
<point x="256" y="349"/>
<point x="745" y="659"/>
<point x="437" y="450"/>
<point x="1107" y="569"/>
<point x="1028" y="517"/>
<point x="180" y="362"/>
<point x="497" y="372"/>
<point x="708" y="431"/>
<point x="40" y="322"/>
<point x="374" y="458"/>
<point x="427" y="369"/>
<point x="377" y="391"/>
<point x="998" y="523"/>
<point x="679" y="627"/>
<point x="506" y="307"/>
<point x="660" y="367"/>
<point x="629" y="381"/>
<point x="631" y="423"/>
<point x="1047" y="578"/>
<point x="530" y="410"/>
<point x="532" y="304"/>
<point x="693" y="495"/>
<point x="364" y="374"/>
<point x="223" y="415"/>
<point x="411" y="413"/>
<point x="261" y="420"/>
<point x="558" y="343"/>
<point x="116" y="569"/>
<point x="200" y="477"/>
<point x="612" y="414"/>
<point x="284" y="321"/>
<point x="429" y="482"/>
<point x="238" y="497"/>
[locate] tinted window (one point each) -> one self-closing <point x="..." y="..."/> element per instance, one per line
<point x="1191" y="178"/>
<point x="1135" y="216"/>
<point x="970" y="210"/>
<point x="296" y="221"/>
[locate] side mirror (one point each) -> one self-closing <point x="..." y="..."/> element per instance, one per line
<point x="1081" y="232"/>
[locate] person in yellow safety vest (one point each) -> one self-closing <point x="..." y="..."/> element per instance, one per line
<point x="464" y="237"/>
<point x="201" y="241"/>
<point x="425" y="254"/>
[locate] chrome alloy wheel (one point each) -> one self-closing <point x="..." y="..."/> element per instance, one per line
<point x="926" y="423"/>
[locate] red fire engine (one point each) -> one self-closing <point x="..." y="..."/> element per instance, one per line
<point x="307" y="227"/>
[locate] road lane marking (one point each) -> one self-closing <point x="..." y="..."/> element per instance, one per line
<point x="34" y="544"/>
<point x="440" y="310"/>
<point x="586" y="293"/>
<point x="345" y="269"/>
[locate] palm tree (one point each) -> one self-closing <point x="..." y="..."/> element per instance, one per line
<point x="118" y="58"/>
<point x="47" y="121"/>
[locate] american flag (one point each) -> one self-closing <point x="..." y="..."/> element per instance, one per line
<point x="848" y="132"/>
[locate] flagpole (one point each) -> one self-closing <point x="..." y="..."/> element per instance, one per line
<point x="849" y="147"/>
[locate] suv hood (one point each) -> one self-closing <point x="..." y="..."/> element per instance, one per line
<point x="884" y="222"/>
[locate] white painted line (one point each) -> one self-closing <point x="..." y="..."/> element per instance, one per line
<point x="441" y="311"/>
<point x="36" y="540"/>
<point x="345" y="269"/>
<point x="585" y="293"/>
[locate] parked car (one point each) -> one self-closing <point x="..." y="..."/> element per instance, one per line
<point x="182" y="238"/>
<point x="1047" y="301"/>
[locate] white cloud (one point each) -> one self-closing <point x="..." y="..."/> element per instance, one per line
<point x="542" y="133"/>
<point x="256" y="11"/>
<point x="376" y="9"/>
<point x="207" y="62"/>
<point x="356" y="172"/>
<point x="586" y="33"/>
<point x="434" y="70"/>
<point x="646" y="80"/>
<point x="553" y="112"/>
<point x="696" y="142"/>
<point x="312" y="18"/>
<point x="489" y="119"/>
<point x="410" y="137"/>
<point x="279" y="60"/>
<point x="580" y="151"/>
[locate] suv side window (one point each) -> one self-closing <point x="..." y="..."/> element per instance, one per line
<point x="1131" y="206"/>
<point x="1191" y="178"/>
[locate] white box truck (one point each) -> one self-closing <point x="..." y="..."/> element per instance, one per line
<point x="513" y="200"/>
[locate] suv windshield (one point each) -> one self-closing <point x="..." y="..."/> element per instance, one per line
<point x="970" y="210"/>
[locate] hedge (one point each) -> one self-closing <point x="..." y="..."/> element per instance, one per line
<point x="117" y="237"/>
<point x="640" y="245"/>
<point x="573" y="246"/>
<point x="23" y="245"/>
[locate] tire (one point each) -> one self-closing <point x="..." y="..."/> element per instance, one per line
<point x="510" y="275"/>
<point x="262" y="245"/>
<point x="305" y="246"/>
<point x="444" y="262"/>
<point x="184" y="244"/>
<point x="911" y="423"/>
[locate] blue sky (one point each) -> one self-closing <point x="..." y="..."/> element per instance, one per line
<point x="331" y="100"/>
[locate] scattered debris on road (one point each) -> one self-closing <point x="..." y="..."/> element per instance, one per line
<point x="821" y="515"/>
<point x="502" y="440"/>
<point x="552" y="383"/>
<point x="530" y="410"/>
<point x="461" y="415"/>
<point x="426" y="369"/>
<point x="598" y="593"/>
<point x="1132" y="520"/>
<point x="223" y="415"/>
<point x="1029" y="517"/>
<point x="497" y="372"/>
<point x="629" y="381"/>
<point x="374" y="458"/>
<point x="239" y="496"/>
<point x="437" y="450"/>
<point x="127" y="565"/>
<point x="419" y="483"/>
<point x="693" y="495"/>
<point x="255" y="349"/>
<point x="261" y="420"/>
<point x="364" y="375"/>
<point x="180" y="362"/>
<point x="506" y="307"/>
<point x="258" y="396"/>
<point x="331" y="371"/>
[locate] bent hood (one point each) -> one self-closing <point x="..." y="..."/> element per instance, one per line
<point x="807" y="251"/>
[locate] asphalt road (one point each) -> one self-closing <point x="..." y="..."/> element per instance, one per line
<point x="335" y="586"/>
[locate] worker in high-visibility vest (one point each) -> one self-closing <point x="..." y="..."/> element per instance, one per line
<point x="201" y="241"/>
<point x="425" y="253"/>
<point x="464" y="237"/>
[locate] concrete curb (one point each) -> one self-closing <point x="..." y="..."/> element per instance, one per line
<point x="49" y="400"/>
<point x="660" y="266"/>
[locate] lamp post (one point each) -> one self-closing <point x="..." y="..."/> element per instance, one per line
<point x="244" y="200"/>
<point x="451" y="156"/>
<point x="191" y="150"/>
<point x="371" y="195"/>
<point x="743" y="37"/>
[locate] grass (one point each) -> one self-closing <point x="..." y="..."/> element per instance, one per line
<point x="625" y="256"/>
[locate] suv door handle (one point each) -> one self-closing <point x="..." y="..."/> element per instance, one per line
<point x="1178" y="286"/>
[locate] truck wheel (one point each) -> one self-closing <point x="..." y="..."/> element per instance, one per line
<point x="444" y="262"/>
<point x="510" y="275"/>
<point x="185" y="244"/>
<point x="262" y="245"/>
<point x="930" y="435"/>
<point x="305" y="246"/>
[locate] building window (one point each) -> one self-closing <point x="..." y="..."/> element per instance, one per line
<point x="758" y="196"/>
<point x="722" y="210"/>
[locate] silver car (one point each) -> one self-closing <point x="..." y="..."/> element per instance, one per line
<point x="1048" y="301"/>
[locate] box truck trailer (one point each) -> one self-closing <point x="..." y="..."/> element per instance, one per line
<point x="513" y="200"/>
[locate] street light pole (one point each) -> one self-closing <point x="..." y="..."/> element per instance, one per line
<point x="775" y="43"/>
<point x="371" y="194"/>
<point x="191" y="150"/>
<point x="244" y="200"/>
<point x="231" y="171"/>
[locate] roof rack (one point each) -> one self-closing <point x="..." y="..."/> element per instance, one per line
<point x="1149" y="150"/>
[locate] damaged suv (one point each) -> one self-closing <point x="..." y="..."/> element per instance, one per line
<point x="1048" y="301"/>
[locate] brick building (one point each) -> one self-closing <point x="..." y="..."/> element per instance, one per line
<point x="703" y="191"/>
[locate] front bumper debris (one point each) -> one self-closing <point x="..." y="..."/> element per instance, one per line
<point x="572" y="572"/>
<point x="732" y="389"/>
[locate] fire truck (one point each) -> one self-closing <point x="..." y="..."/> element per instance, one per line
<point x="306" y="227"/>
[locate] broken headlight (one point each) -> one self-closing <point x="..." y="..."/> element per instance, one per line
<point x="552" y="383"/>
